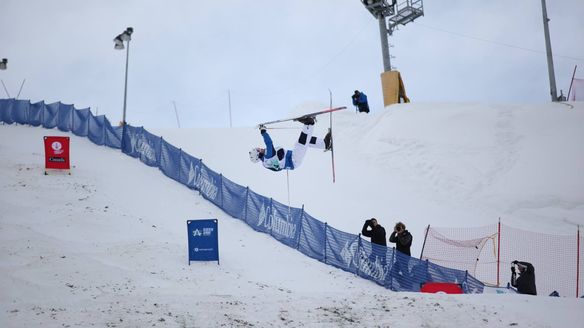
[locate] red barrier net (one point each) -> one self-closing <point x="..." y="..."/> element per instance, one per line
<point x="487" y="253"/>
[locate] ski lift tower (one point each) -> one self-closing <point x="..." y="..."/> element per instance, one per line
<point x="390" y="15"/>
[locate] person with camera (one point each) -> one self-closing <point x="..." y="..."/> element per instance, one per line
<point x="360" y="101"/>
<point x="525" y="282"/>
<point x="402" y="238"/>
<point x="400" y="268"/>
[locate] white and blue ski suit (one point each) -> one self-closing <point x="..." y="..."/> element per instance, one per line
<point x="277" y="159"/>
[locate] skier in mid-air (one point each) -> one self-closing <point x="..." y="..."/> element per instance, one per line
<point x="277" y="159"/>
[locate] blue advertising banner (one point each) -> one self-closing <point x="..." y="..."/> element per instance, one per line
<point x="203" y="240"/>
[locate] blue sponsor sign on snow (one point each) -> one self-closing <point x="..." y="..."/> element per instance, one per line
<point x="203" y="240"/>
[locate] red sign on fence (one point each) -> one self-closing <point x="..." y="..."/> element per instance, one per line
<point x="57" y="153"/>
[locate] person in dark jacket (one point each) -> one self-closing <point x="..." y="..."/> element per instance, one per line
<point x="377" y="232"/>
<point x="377" y="235"/>
<point x="402" y="238"/>
<point x="400" y="268"/>
<point x="360" y="100"/>
<point x="525" y="283"/>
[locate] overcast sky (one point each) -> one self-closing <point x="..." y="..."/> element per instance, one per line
<point x="276" y="55"/>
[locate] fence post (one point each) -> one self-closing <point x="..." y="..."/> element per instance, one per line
<point x="424" y="244"/>
<point x="465" y="283"/>
<point x="179" y="164"/>
<point x="391" y="268"/>
<point x="358" y="254"/>
<point x="195" y="181"/>
<point x="301" y="225"/>
<point x="246" y="203"/>
<point x="578" y="264"/>
<point x="271" y="213"/>
<point x="498" y="252"/>
<point x="324" y="250"/>
<point x="158" y="153"/>
<point x="221" y="188"/>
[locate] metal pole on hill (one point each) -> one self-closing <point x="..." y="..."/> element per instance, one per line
<point x="229" y="98"/>
<point x="548" y="47"/>
<point x="20" y="90"/>
<point x="5" y="90"/>
<point x="384" y="44"/>
<point x="498" y="253"/>
<point x="571" y="82"/>
<point x="176" y="113"/>
<point x="119" y="45"/>
<point x="331" y="132"/>
<point x="578" y="263"/>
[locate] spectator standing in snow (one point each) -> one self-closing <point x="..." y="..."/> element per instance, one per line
<point x="400" y="268"/>
<point x="525" y="283"/>
<point x="402" y="238"/>
<point x="377" y="232"/>
<point x="360" y="100"/>
<point x="377" y="235"/>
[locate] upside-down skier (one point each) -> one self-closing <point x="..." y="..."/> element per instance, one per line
<point x="277" y="159"/>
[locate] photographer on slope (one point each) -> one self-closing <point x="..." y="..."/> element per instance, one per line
<point x="525" y="282"/>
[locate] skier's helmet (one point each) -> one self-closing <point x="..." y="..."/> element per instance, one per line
<point x="254" y="155"/>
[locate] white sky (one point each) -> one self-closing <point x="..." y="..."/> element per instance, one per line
<point x="275" y="56"/>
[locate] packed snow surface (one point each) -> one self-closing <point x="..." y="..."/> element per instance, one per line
<point x="106" y="245"/>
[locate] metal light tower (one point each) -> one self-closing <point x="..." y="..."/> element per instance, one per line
<point x="3" y="67"/>
<point x="396" y="14"/>
<point x="119" y="45"/>
<point x="548" y="48"/>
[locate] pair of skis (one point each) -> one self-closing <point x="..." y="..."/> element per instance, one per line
<point x="330" y="111"/>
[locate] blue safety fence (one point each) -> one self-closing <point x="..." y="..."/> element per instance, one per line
<point x="291" y="226"/>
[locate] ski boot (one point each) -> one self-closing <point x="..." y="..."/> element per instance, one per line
<point x="328" y="141"/>
<point x="307" y="120"/>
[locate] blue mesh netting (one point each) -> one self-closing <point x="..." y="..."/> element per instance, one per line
<point x="291" y="226"/>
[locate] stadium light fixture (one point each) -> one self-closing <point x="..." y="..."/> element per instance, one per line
<point x="119" y="45"/>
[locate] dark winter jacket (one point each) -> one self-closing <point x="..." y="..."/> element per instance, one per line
<point x="377" y="234"/>
<point x="525" y="283"/>
<point x="403" y="241"/>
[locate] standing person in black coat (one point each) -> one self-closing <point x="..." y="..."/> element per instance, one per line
<point x="402" y="238"/>
<point x="377" y="235"/>
<point x="400" y="268"/>
<point x="525" y="283"/>
<point x="377" y="232"/>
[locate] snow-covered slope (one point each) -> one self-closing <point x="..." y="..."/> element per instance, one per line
<point x="106" y="246"/>
<point x="440" y="164"/>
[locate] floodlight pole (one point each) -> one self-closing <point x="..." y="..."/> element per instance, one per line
<point x="176" y="113"/>
<point x="126" y="83"/>
<point x="3" y="65"/>
<point x="119" y="45"/>
<point x="548" y="46"/>
<point x="384" y="43"/>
